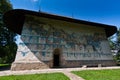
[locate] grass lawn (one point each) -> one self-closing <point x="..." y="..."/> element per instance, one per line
<point x="113" y="74"/>
<point x="3" y="65"/>
<point x="46" y="76"/>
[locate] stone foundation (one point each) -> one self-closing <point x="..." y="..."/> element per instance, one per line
<point x="28" y="66"/>
<point x="81" y="63"/>
<point x="68" y="64"/>
<point x="89" y="63"/>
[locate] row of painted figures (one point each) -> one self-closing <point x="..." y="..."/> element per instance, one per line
<point x="67" y="55"/>
<point x="52" y="37"/>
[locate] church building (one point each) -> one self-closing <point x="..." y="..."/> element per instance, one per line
<point x="49" y="41"/>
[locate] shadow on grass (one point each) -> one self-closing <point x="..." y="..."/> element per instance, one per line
<point x="4" y="67"/>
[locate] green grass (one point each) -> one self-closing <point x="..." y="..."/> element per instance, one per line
<point x="46" y="76"/>
<point x="113" y="74"/>
<point x="2" y="65"/>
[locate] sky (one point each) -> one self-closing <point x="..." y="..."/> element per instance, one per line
<point x="100" y="11"/>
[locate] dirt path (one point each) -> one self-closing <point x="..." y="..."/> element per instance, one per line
<point x="66" y="71"/>
<point x="72" y="76"/>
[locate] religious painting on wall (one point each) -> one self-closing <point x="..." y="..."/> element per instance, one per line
<point x="44" y="38"/>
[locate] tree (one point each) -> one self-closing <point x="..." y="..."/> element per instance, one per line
<point x="118" y="39"/>
<point x="5" y="35"/>
<point x="118" y="46"/>
<point x="111" y="42"/>
<point x="115" y="45"/>
<point x="5" y="6"/>
<point x="7" y="41"/>
<point x="114" y="41"/>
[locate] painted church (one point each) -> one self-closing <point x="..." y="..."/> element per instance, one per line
<point x="49" y="40"/>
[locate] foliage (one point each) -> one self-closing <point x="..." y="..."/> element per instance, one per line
<point x="8" y="53"/>
<point x="114" y="42"/>
<point x="117" y="58"/>
<point x="46" y="76"/>
<point x="118" y="39"/>
<point x="5" y="6"/>
<point x="117" y="46"/>
<point x="113" y="74"/>
<point x="111" y="42"/>
<point x="7" y="44"/>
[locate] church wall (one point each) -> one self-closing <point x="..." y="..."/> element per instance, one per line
<point x="79" y="44"/>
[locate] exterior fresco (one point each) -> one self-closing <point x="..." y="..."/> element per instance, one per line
<point x="43" y="37"/>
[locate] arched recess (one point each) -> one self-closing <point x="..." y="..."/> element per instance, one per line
<point x="57" y="57"/>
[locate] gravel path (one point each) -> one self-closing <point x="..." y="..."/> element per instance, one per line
<point x="66" y="71"/>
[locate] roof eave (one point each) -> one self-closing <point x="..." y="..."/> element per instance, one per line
<point x="14" y="20"/>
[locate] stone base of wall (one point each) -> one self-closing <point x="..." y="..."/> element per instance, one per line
<point x="68" y="64"/>
<point x="28" y="66"/>
<point x="89" y="63"/>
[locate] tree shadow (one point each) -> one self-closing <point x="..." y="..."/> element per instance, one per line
<point x="3" y="68"/>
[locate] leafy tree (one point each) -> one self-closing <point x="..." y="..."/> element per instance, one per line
<point x="115" y="45"/>
<point x="118" y="46"/>
<point x="5" y="6"/>
<point x="118" y="39"/>
<point x="7" y="41"/>
<point x="112" y="42"/>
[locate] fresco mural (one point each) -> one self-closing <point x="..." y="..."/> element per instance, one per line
<point x="42" y="39"/>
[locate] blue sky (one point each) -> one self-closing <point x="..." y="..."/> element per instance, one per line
<point x="101" y="11"/>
